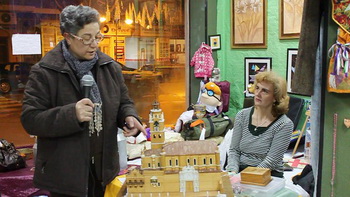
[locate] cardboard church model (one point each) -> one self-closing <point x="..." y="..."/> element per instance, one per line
<point x="180" y="168"/>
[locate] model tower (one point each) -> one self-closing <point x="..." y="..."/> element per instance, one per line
<point x="156" y="124"/>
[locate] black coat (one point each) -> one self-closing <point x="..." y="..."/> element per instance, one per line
<point x="50" y="96"/>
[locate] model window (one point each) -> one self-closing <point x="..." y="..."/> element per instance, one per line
<point x="176" y="162"/>
<point x="154" y="181"/>
<point x="158" y="164"/>
<point x="149" y="165"/>
<point x="194" y="162"/>
<point x="211" y="161"/>
<point x="188" y="161"/>
<point x="160" y="135"/>
<point x="154" y="136"/>
<point x="204" y="161"/>
<point x="170" y="163"/>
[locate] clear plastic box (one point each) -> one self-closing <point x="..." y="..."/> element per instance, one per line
<point x="246" y="190"/>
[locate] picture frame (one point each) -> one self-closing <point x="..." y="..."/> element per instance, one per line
<point x="290" y="19"/>
<point x="178" y="48"/>
<point x="254" y="65"/>
<point x="215" y="42"/>
<point x="248" y="24"/>
<point x="291" y="64"/>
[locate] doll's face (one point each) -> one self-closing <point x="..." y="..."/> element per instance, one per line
<point x="210" y="98"/>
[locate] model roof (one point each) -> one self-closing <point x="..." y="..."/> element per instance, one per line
<point x="190" y="147"/>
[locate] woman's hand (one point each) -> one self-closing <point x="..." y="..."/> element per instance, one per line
<point x="83" y="110"/>
<point x="133" y="126"/>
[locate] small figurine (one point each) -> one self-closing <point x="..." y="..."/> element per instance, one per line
<point x="215" y="77"/>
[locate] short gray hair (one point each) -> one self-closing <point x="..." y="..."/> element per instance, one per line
<point x="73" y="18"/>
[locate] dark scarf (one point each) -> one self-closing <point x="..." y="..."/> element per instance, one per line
<point x="80" y="69"/>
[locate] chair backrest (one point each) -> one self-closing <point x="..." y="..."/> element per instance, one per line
<point x="296" y="106"/>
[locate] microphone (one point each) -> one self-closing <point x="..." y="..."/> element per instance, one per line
<point x="86" y="82"/>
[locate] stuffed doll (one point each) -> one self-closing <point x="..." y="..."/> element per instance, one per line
<point x="210" y="97"/>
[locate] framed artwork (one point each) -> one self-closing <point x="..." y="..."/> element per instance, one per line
<point x="215" y="42"/>
<point x="291" y="13"/>
<point x="254" y="65"/>
<point x="178" y="48"/>
<point x="248" y="26"/>
<point x="291" y="61"/>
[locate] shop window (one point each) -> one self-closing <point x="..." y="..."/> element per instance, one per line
<point x="153" y="55"/>
<point x="151" y="49"/>
<point x="145" y="49"/>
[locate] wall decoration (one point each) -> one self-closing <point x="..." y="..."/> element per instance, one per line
<point x="291" y="12"/>
<point x="215" y="42"/>
<point x="248" y="28"/>
<point x="340" y="14"/>
<point x="254" y="65"/>
<point x="291" y="60"/>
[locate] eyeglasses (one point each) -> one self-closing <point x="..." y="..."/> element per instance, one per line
<point x="88" y="39"/>
<point x="210" y="93"/>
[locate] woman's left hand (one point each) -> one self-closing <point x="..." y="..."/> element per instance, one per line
<point x="133" y="126"/>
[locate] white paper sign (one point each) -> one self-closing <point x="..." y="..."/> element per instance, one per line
<point x="26" y="44"/>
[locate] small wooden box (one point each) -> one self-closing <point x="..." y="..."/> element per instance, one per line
<point x="256" y="176"/>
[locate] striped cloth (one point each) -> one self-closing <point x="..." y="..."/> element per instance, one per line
<point x="265" y="150"/>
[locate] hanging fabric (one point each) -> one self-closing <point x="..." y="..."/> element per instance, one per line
<point x="338" y="70"/>
<point x="203" y="62"/>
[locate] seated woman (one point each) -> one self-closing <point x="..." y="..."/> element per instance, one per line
<point x="262" y="133"/>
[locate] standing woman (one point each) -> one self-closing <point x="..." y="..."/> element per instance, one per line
<point x="262" y="133"/>
<point x="77" y="137"/>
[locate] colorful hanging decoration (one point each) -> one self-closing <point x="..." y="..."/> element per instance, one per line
<point x="203" y="62"/>
<point x="340" y="11"/>
<point x="338" y="71"/>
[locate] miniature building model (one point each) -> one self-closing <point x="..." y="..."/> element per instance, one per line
<point x="176" y="168"/>
<point x="191" y="167"/>
<point x="156" y="124"/>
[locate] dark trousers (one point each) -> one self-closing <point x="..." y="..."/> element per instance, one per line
<point x="95" y="187"/>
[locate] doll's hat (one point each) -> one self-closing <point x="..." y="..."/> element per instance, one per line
<point x="212" y="86"/>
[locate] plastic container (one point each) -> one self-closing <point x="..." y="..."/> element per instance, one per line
<point x="307" y="146"/>
<point x="123" y="158"/>
<point x="246" y="190"/>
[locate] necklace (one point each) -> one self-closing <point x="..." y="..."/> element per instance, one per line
<point x="259" y="125"/>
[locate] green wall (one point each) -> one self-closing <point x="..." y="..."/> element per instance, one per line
<point x="231" y="61"/>
<point x="335" y="103"/>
